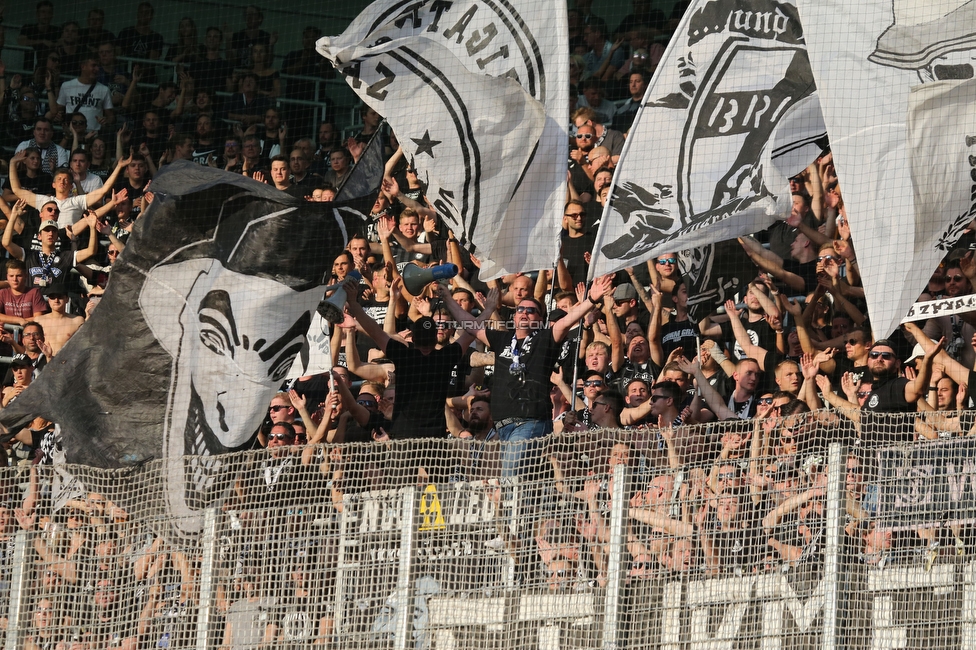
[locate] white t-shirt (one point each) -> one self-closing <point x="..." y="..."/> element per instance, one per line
<point x="95" y="104"/>
<point x="72" y="208"/>
<point x="89" y="184"/>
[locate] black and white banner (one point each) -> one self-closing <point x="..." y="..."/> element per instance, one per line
<point x="941" y="307"/>
<point x="731" y="113"/>
<point x="476" y="92"/>
<point x="867" y="58"/>
<point x="206" y="311"/>
<point x="927" y="483"/>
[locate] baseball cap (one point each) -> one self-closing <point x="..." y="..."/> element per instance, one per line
<point x="49" y="223"/>
<point x="21" y="360"/>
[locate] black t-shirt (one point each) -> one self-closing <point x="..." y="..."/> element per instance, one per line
<point x="630" y="370"/>
<point x="211" y="75"/>
<point x="45" y="270"/>
<point x="423" y="383"/>
<point x="241" y="44"/>
<point x="139" y="45"/>
<point x="572" y="252"/>
<point x="760" y="333"/>
<point x="806" y="270"/>
<point x="523" y="394"/>
<point x="35" y="32"/>
<point x="679" y="334"/>
<point x="888" y="398"/>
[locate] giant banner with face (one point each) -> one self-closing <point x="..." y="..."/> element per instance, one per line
<point x="205" y="313"/>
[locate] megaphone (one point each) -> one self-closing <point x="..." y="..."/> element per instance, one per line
<point x="415" y="278"/>
<point x="332" y="308"/>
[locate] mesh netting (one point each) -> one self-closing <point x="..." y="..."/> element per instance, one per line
<point x="600" y="541"/>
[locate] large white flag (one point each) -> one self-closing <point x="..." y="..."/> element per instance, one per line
<point x="942" y="139"/>
<point x="730" y="115"/>
<point x="477" y="93"/>
<point x="866" y="57"/>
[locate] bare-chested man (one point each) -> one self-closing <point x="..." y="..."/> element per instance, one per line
<point x="58" y="325"/>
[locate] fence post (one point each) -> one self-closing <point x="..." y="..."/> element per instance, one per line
<point x="834" y="531"/>
<point x="404" y="591"/>
<point x="618" y="513"/>
<point x="18" y="585"/>
<point x="208" y="542"/>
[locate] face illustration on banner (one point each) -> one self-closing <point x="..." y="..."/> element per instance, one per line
<point x="234" y="338"/>
<point x="939" y="45"/>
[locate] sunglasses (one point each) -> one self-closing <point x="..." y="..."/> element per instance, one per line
<point x="112" y="253"/>
<point x="863" y="393"/>
<point x="573" y="215"/>
<point x="655" y="398"/>
<point x="593" y="382"/>
<point x="765" y="401"/>
<point x="584" y="136"/>
<point x="668" y="260"/>
<point x="955" y="278"/>
<point x="827" y="259"/>
<point x="887" y="356"/>
<point x="368" y="403"/>
<point x="527" y="310"/>
<point x="277" y="407"/>
<point x="280" y="436"/>
<point x="853" y="342"/>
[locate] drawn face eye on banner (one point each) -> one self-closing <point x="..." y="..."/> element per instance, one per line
<point x="466" y="87"/>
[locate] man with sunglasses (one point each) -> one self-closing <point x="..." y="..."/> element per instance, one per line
<point x="891" y="392"/>
<point x="577" y="240"/>
<point x="524" y="361"/>
<point x="955" y="328"/>
<point x="581" y="181"/>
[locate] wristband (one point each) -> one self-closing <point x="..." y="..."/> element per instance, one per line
<point x="718" y="355"/>
<point x="595" y="303"/>
<point x="933" y="388"/>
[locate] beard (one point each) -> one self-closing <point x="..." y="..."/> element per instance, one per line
<point x="884" y="375"/>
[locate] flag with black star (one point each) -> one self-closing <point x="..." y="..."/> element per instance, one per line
<point x="476" y="93"/>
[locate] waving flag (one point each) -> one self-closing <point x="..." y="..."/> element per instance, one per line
<point x="476" y="92"/>
<point x="731" y="113"/>
<point x="872" y="68"/>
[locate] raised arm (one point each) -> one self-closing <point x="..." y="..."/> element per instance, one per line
<point x="8" y="232"/>
<point x="709" y="394"/>
<point x="95" y="196"/>
<point x="370" y="326"/>
<point x="26" y="195"/>
<point x="598" y="290"/>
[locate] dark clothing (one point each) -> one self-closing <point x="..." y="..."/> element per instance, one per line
<point x="45" y="270"/>
<point x="35" y="33"/>
<point x="423" y="382"/>
<point x="241" y="44"/>
<point x="134" y="44"/>
<point x="887" y="397"/>
<point x="760" y="333"/>
<point x="238" y="105"/>
<point x="572" y="252"/>
<point x="679" y="334"/>
<point x="211" y="75"/>
<point x="523" y="393"/>
<point x="93" y="40"/>
<point x="806" y="270"/>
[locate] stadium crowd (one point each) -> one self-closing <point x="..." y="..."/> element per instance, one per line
<point x="723" y="420"/>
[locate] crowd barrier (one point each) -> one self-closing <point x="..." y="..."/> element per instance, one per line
<point x="602" y="541"/>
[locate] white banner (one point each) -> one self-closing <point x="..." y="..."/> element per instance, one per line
<point x="941" y="307"/>
<point x="319" y="350"/>
<point x="730" y="115"/>
<point x="477" y="94"/>
<point x="942" y="138"/>
<point x="866" y="64"/>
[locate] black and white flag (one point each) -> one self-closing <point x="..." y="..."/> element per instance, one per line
<point x="205" y="313"/>
<point x="871" y="60"/>
<point x="476" y="92"/>
<point x="731" y="113"/>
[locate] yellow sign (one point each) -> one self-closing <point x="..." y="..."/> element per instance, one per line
<point x="430" y="504"/>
